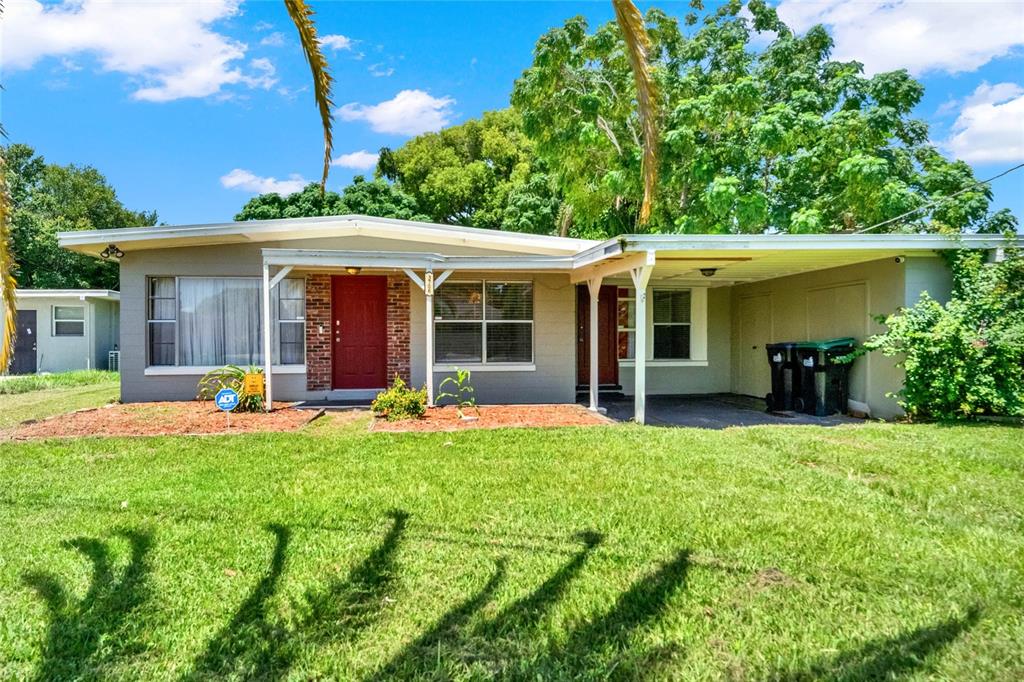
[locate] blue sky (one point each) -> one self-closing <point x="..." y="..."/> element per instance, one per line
<point x="192" y="108"/>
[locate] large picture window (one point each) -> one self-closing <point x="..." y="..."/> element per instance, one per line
<point x="213" y="321"/>
<point x="483" y="322"/>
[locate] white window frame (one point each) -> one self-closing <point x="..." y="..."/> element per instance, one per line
<point x="54" y="321"/>
<point x="484" y="365"/>
<point x="178" y="369"/>
<point x="698" y="327"/>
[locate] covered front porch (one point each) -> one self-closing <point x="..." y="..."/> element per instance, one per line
<point x="687" y="315"/>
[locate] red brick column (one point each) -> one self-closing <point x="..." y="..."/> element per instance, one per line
<point x="398" y="328"/>
<point x="318" y="345"/>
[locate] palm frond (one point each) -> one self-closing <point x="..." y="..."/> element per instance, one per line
<point x="302" y="16"/>
<point x="638" y="45"/>
<point x="7" y="283"/>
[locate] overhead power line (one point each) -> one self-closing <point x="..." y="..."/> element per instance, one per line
<point x="935" y="202"/>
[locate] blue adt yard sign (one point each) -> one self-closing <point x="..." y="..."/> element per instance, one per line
<point x="226" y="399"/>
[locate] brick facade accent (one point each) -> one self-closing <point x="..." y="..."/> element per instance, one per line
<point x="398" y="328"/>
<point x="318" y="345"/>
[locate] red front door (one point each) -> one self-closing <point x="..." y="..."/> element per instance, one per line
<point x="359" y="321"/>
<point x="607" y="333"/>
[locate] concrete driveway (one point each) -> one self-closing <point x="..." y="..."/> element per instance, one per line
<point x="715" y="411"/>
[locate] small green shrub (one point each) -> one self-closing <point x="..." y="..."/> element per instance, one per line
<point x="463" y="394"/>
<point x="964" y="358"/>
<point x="400" y="402"/>
<point x="232" y="376"/>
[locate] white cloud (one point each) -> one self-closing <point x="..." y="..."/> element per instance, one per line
<point x="410" y="112"/>
<point x="275" y="39"/>
<point x="990" y="127"/>
<point x="262" y="26"/>
<point x="360" y="160"/>
<point x="250" y="182"/>
<point x="918" y="35"/>
<point x="380" y="70"/>
<point x="336" y="41"/>
<point x="169" y="50"/>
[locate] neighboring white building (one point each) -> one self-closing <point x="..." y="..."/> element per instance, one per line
<point x="65" y="329"/>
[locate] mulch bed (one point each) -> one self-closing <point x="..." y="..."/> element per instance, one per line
<point x="497" y="417"/>
<point x="158" y="419"/>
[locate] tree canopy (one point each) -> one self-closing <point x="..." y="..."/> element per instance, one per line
<point x="482" y="173"/>
<point x="365" y="197"/>
<point x="780" y="138"/>
<point x="49" y="198"/>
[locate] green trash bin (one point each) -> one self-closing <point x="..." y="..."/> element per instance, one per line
<point x="824" y="382"/>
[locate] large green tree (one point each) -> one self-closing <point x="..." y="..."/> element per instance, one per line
<point x="780" y="138"/>
<point x="376" y="197"/>
<point x="482" y="173"/>
<point x="49" y="198"/>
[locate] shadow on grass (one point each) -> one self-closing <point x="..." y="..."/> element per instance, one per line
<point x="888" y="658"/>
<point x="451" y="642"/>
<point x="86" y="638"/>
<point x="255" y="644"/>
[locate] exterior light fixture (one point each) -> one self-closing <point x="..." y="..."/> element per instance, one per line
<point x="352" y="270"/>
<point x="708" y="272"/>
<point x="112" y="250"/>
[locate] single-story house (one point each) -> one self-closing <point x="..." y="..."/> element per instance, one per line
<point x="334" y="307"/>
<point x="64" y="329"/>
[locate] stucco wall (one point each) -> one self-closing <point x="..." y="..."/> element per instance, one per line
<point x="714" y="377"/>
<point x="105" y="320"/>
<point x="844" y="302"/>
<point x="554" y="332"/>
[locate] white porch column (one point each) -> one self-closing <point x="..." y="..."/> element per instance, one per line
<point x="641" y="277"/>
<point x="428" y="295"/>
<point x="267" y="355"/>
<point x="594" y="285"/>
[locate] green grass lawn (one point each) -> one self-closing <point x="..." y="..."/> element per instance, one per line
<point x="855" y="552"/>
<point x="44" y="400"/>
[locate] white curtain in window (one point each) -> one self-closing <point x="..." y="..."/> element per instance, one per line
<point x="219" y="321"/>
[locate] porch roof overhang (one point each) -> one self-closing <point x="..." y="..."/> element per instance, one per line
<point x="416" y="260"/>
<point x="736" y="259"/>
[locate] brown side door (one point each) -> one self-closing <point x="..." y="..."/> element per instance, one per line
<point x="607" y="331"/>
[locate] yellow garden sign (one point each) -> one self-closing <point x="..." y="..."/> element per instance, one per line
<point x="253" y="384"/>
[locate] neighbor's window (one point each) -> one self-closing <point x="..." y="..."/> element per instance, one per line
<point x="626" y="323"/>
<point x="483" y="322"/>
<point x="213" y="321"/>
<point x="672" y="324"/>
<point x="68" y="320"/>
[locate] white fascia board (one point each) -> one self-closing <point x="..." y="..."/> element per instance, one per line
<point x="812" y="242"/>
<point x="609" y="268"/>
<point x="301" y="228"/>
<point x="598" y="252"/>
<point x="80" y="294"/>
<point x="412" y="260"/>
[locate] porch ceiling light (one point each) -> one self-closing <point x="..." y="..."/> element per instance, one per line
<point x="708" y="272"/>
<point x="352" y="270"/>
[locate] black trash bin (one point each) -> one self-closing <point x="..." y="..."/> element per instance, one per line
<point x="785" y="376"/>
<point x="823" y="381"/>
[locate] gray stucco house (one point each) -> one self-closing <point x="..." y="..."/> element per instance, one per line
<point x="344" y="303"/>
<point x="64" y="329"/>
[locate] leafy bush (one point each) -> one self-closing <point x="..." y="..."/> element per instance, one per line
<point x="400" y="402"/>
<point x="463" y="395"/>
<point x="966" y="357"/>
<point x="232" y="376"/>
<point x="42" y="382"/>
